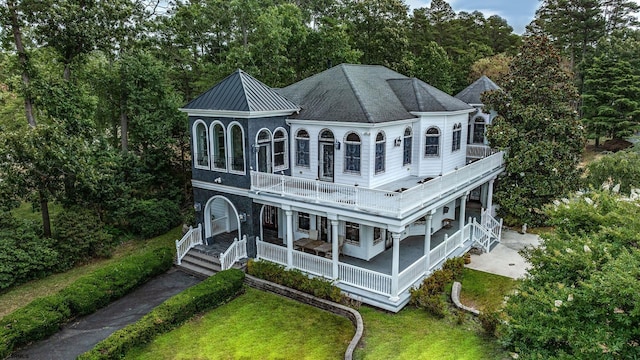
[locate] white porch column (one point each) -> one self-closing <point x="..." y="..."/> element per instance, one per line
<point x="490" y="197"/>
<point x="395" y="266"/>
<point x="427" y="240"/>
<point x="289" y="215"/>
<point x="463" y="210"/>
<point x="335" y="255"/>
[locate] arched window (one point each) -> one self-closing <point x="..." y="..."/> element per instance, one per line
<point x="478" y="130"/>
<point x="380" y="152"/>
<point x="432" y="142"/>
<point x="237" y="148"/>
<point x="280" y="156"/>
<point x="219" y="152"/>
<point x="352" y="153"/>
<point x="457" y="134"/>
<point x="406" y="150"/>
<point x="264" y="151"/>
<point x="302" y="148"/>
<point x="201" y="145"/>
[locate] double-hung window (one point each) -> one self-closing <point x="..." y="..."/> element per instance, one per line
<point x="432" y="142"/>
<point x="352" y="153"/>
<point x="302" y="148"/>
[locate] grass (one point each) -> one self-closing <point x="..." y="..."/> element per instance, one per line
<point x="21" y="295"/>
<point x="29" y="212"/>
<point x="256" y="325"/>
<point x="414" y="334"/>
<point x="484" y="291"/>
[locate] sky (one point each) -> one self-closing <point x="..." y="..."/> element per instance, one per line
<point x="518" y="13"/>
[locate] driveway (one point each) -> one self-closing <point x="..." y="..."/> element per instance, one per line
<point x="83" y="334"/>
<point x="504" y="259"/>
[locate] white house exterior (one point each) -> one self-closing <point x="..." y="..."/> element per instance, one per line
<point x="358" y="174"/>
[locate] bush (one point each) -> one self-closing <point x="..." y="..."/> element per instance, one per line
<point x="295" y="279"/>
<point x="149" y="218"/>
<point x="43" y="317"/>
<point x="620" y="168"/>
<point x="24" y="254"/>
<point x="489" y="321"/>
<point x="80" y="237"/>
<point x="430" y="295"/>
<point x="207" y="295"/>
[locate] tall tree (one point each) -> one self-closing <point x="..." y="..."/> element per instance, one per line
<point x="619" y="14"/>
<point x="538" y="124"/>
<point x="611" y="96"/>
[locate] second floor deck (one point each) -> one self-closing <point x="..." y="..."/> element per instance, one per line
<point x="394" y="199"/>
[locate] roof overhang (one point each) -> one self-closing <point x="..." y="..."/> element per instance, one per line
<point x="444" y="113"/>
<point x="238" y="114"/>
<point x="336" y="123"/>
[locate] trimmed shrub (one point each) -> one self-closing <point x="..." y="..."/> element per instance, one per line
<point x="455" y="266"/>
<point x="43" y="317"/>
<point x="295" y="279"/>
<point x="430" y="295"/>
<point x="80" y="237"/>
<point x="207" y="295"/>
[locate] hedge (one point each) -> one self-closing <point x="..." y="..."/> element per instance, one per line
<point x="43" y="317"/>
<point x="204" y="296"/>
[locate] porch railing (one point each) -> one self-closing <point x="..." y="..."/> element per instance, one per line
<point x="370" y="280"/>
<point x="378" y="201"/>
<point x="235" y="252"/>
<point x="412" y="274"/>
<point x="271" y="252"/>
<point x="312" y="264"/>
<point x="492" y="224"/>
<point x="479" y="151"/>
<point x="448" y="246"/>
<point x="192" y="238"/>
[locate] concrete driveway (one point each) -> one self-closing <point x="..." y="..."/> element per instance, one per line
<point x="83" y="334"/>
<point x="504" y="259"/>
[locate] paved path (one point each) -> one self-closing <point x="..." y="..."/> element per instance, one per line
<point x="504" y="259"/>
<point x="83" y="334"/>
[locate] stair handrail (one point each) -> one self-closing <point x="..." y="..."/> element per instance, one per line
<point x="487" y="234"/>
<point x="236" y="251"/>
<point x="189" y="240"/>
<point x="492" y="224"/>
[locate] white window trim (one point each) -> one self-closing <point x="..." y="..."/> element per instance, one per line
<point x="456" y="127"/>
<point x="213" y="148"/>
<point x="384" y="153"/>
<point x="285" y="164"/>
<point x="425" y="143"/>
<point x="295" y="146"/>
<point x="346" y="142"/>
<point x="230" y="148"/>
<point x="194" y="131"/>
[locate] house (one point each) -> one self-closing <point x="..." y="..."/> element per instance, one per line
<point x="358" y="174"/>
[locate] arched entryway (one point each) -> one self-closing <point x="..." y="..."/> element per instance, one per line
<point x="220" y="218"/>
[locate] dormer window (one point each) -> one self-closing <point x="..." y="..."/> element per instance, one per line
<point x="302" y="148"/>
<point x="352" y="153"/>
<point x="201" y="145"/>
<point x="406" y="149"/>
<point x="280" y="158"/>
<point x="457" y="134"/>
<point x="380" y="152"/>
<point x="432" y="142"/>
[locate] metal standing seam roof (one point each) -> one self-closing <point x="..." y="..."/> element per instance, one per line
<point x="471" y="94"/>
<point x="241" y="92"/>
<point x="366" y="94"/>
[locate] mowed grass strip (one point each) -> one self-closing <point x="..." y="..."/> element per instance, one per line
<point x="256" y="325"/>
<point x="414" y="334"/>
<point x="21" y="295"/>
<point x="485" y="291"/>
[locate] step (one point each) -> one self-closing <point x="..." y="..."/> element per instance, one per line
<point x="200" y="263"/>
<point x="195" y="270"/>
<point x="203" y="257"/>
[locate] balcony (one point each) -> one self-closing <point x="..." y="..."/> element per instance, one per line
<point x="383" y="202"/>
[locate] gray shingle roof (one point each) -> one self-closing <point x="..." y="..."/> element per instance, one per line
<point x="471" y="94"/>
<point x="366" y="94"/>
<point x="241" y="92"/>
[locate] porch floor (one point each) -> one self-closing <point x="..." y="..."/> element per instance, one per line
<point x="219" y="244"/>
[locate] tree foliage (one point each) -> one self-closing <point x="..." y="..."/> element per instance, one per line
<point x="538" y="124"/>
<point x="581" y="297"/>
<point x="621" y="168"/>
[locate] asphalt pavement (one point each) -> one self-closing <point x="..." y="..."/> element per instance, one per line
<point x="84" y="333"/>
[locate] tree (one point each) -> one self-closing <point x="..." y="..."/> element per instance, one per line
<point x="611" y="98"/>
<point x="495" y="67"/>
<point x="433" y="66"/>
<point x="538" y="124"/>
<point x="581" y="297"/>
<point x="619" y="14"/>
<point x="42" y="162"/>
<point x="621" y="168"/>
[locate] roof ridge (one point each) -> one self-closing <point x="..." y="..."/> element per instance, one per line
<point x="417" y="94"/>
<point x="244" y="90"/>
<point x="356" y="93"/>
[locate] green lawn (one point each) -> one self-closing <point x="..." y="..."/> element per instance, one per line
<point x="23" y="294"/>
<point x="482" y="290"/>
<point x="414" y="334"/>
<point x="256" y="325"/>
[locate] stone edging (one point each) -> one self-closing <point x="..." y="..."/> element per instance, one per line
<point x="455" y="296"/>
<point x="305" y="298"/>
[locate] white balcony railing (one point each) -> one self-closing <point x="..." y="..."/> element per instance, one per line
<point x="377" y="201"/>
<point x="479" y="151"/>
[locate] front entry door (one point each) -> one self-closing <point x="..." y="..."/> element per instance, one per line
<point x="326" y="161"/>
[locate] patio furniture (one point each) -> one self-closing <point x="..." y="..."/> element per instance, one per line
<point x="329" y="253"/>
<point x="300" y="244"/>
<point x="447" y="223"/>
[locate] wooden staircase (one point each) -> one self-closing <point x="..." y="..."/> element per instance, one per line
<point x="199" y="263"/>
